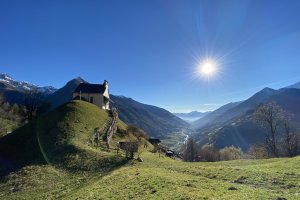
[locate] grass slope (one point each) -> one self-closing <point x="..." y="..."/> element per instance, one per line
<point x="161" y="178"/>
<point x="74" y="170"/>
<point x="60" y="137"/>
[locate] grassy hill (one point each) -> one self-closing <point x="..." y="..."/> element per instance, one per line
<point x="160" y="178"/>
<point x="50" y="159"/>
<point x="60" y="137"/>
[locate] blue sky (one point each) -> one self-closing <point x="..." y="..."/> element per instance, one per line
<point x="149" y="50"/>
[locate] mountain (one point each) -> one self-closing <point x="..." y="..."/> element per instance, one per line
<point x="210" y="117"/>
<point x="236" y="126"/>
<point x="155" y="121"/>
<point x="24" y="86"/>
<point x="64" y="94"/>
<point x="14" y="91"/>
<point x="191" y="116"/>
<point x="233" y="110"/>
<point x="296" y="86"/>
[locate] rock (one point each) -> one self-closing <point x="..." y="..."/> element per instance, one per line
<point x="232" y="188"/>
<point x="153" y="191"/>
<point x="140" y="159"/>
<point x="15" y="189"/>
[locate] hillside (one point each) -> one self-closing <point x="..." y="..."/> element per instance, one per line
<point x="64" y="94"/>
<point x="60" y="138"/>
<point x="154" y="120"/>
<point x="14" y="91"/>
<point x="237" y="127"/>
<point x="210" y="117"/>
<point x="160" y="178"/>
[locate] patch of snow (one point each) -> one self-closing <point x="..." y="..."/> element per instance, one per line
<point x="24" y="85"/>
<point x="4" y="80"/>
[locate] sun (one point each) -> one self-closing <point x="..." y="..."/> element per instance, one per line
<point x="207" y="68"/>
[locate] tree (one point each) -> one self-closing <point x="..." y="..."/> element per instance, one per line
<point x="15" y="109"/>
<point x="270" y="116"/>
<point x="2" y="99"/>
<point x="130" y="147"/>
<point x="257" y="152"/>
<point x="209" y="154"/>
<point x="137" y="132"/>
<point x="231" y="153"/>
<point x="32" y="100"/>
<point x="291" y="141"/>
<point x="190" y="151"/>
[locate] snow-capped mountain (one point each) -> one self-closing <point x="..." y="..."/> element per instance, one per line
<point x="23" y="86"/>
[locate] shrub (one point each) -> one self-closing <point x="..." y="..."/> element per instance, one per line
<point x="231" y="153"/>
<point x="208" y="154"/>
<point x="257" y="152"/>
<point x="137" y="132"/>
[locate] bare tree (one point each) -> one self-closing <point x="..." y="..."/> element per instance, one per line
<point x="130" y="148"/>
<point x="257" y="151"/>
<point x="32" y="100"/>
<point x="270" y="116"/>
<point x="290" y="139"/>
<point x="209" y="154"/>
<point x="137" y="132"/>
<point x="2" y="99"/>
<point x="190" y="151"/>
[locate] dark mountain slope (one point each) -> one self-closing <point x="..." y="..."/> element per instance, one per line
<point x="210" y="117"/>
<point x="154" y="120"/>
<point x="296" y="86"/>
<point x="14" y="91"/>
<point x="242" y="129"/>
<point x="64" y="94"/>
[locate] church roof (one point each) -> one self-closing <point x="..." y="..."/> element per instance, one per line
<point x="90" y="88"/>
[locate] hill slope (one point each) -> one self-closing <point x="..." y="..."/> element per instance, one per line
<point x="237" y="127"/>
<point x="64" y="94"/>
<point x="161" y="178"/>
<point x="210" y="117"/>
<point x="154" y="120"/>
<point x="56" y="138"/>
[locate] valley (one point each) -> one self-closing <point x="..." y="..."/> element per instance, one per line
<point x="150" y="100"/>
<point x="52" y="157"/>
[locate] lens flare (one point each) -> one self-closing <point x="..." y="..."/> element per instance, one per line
<point x="207" y="68"/>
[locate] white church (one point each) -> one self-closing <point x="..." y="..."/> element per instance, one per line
<point x="97" y="94"/>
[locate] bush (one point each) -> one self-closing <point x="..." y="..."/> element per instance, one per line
<point x="137" y="132"/>
<point x="257" y="152"/>
<point x="208" y="154"/>
<point x="231" y="153"/>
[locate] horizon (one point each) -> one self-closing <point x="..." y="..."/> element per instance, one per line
<point x="186" y="112"/>
<point x="151" y="51"/>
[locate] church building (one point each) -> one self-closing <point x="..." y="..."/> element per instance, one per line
<point x="97" y="94"/>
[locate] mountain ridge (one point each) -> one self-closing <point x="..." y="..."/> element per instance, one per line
<point x="236" y="125"/>
<point x="191" y="116"/>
